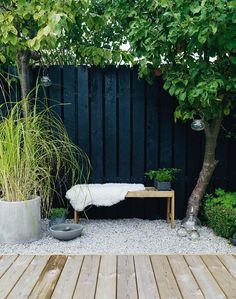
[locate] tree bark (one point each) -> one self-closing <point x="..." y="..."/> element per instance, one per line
<point x="212" y="130"/>
<point x="23" y="65"/>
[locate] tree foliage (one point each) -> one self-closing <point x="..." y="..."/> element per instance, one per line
<point x="58" y="31"/>
<point x="194" y="43"/>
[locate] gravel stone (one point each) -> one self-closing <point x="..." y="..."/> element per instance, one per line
<point x="125" y="236"/>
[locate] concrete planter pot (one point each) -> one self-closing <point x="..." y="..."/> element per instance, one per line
<point x="20" y="221"/>
<point x="162" y="186"/>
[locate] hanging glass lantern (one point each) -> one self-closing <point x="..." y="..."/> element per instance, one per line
<point x="182" y="232"/>
<point x="198" y="125"/>
<point x="191" y="222"/>
<point x="45" y="81"/>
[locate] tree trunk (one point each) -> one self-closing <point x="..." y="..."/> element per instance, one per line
<point x="212" y="130"/>
<point x="23" y="65"/>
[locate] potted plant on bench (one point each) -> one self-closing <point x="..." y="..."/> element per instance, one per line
<point x="162" y="178"/>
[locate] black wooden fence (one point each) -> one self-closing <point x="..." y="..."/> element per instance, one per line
<point x="126" y="127"/>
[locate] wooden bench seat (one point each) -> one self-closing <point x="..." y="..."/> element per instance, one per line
<point x="151" y="192"/>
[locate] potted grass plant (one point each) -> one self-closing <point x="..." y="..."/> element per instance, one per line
<point x="35" y="152"/>
<point x="162" y="177"/>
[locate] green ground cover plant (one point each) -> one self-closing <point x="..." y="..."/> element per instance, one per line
<point x="220" y="211"/>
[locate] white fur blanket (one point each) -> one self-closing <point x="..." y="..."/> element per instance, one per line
<point x="81" y="196"/>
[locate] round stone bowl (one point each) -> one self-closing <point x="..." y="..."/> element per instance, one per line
<point x="66" y="231"/>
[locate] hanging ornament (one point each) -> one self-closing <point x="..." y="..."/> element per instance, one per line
<point x="198" y="125"/>
<point x="191" y="222"/>
<point x="194" y="235"/>
<point x="182" y="232"/>
<point x="45" y="81"/>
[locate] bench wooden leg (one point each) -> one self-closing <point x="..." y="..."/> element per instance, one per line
<point x="168" y="210"/>
<point x="76" y="217"/>
<point x="173" y="211"/>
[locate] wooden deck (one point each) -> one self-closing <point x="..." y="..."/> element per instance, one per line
<point x="121" y="277"/>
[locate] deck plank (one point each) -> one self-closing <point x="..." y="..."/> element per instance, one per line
<point x="48" y="278"/>
<point x="86" y="285"/>
<point x="5" y="263"/>
<point x="230" y="263"/>
<point x="67" y="282"/>
<point x="165" y="279"/>
<point x="146" y="282"/>
<point x="29" y="278"/>
<point x="206" y="281"/>
<point x="221" y="275"/>
<point x="11" y="276"/>
<point x="126" y="278"/>
<point x="184" y="277"/>
<point x="106" y="285"/>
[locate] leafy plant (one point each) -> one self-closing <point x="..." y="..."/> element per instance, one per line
<point x="36" y="154"/>
<point x="220" y="210"/>
<point x="57" y="212"/>
<point x="162" y="175"/>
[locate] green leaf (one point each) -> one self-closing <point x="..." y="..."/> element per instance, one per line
<point x="172" y="90"/>
<point x="182" y="96"/>
<point x="167" y="85"/>
<point x="2" y="58"/>
<point x="226" y="110"/>
<point x="202" y="36"/>
<point x="213" y="28"/>
<point x="195" y="9"/>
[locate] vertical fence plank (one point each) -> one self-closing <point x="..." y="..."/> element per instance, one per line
<point x="152" y="127"/>
<point x="55" y="90"/>
<point x="166" y="133"/>
<point x="110" y="124"/>
<point x="97" y="124"/>
<point x="70" y="106"/>
<point x="180" y="163"/>
<point x="221" y="171"/>
<point x="124" y="124"/>
<point x="138" y="125"/>
<point x="166" y="125"/>
<point x="83" y="109"/>
<point x="124" y="134"/>
<point x="231" y="176"/>
<point x="138" y="112"/>
<point x="152" y="207"/>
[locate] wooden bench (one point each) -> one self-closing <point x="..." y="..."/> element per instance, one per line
<point x="151" y="192"/>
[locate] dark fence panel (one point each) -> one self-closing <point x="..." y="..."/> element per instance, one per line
<point x="126" y="127"/>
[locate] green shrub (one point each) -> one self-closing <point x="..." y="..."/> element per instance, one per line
<point x="220" y="210"/>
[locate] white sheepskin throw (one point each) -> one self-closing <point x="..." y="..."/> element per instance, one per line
<point x="81" y="196"/>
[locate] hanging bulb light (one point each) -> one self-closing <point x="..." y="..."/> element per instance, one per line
<point x="45" y="81"/>
<point x="197" y="125"/>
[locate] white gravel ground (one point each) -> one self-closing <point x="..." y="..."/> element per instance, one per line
<point x="124" y="236"/>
